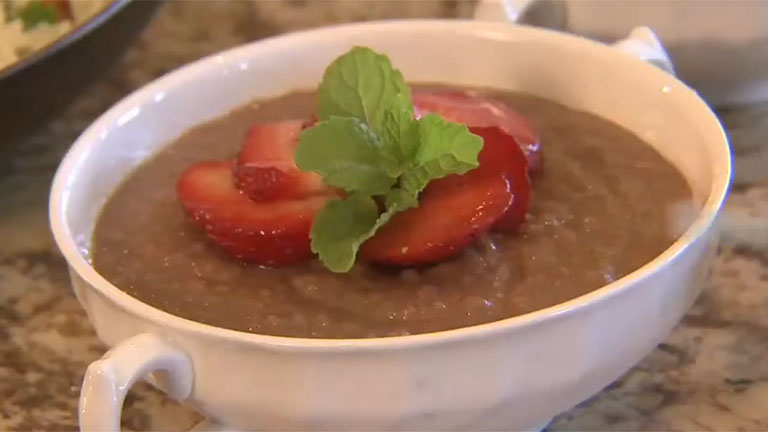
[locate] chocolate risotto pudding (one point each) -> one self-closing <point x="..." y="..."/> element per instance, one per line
<point x="603" y="205"/>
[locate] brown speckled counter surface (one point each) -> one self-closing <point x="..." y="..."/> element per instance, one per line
<point x="710" y="374"/>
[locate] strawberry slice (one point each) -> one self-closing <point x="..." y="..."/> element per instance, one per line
<point x="266" y="169"/>
<point x="265" y="233"/>
<point x="501" y="154"/>
<point x="475" y="111"/>
<point x="452" y="213"/>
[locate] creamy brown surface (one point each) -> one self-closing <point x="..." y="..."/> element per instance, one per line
<point x="603" y="207"/>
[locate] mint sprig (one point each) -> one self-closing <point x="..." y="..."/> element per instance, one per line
<point x="368" y="144"/>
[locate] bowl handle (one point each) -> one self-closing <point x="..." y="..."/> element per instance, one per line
<point x="501" y="10"/>
<point x="643" y="43"/>
<point x="108" y="379"/>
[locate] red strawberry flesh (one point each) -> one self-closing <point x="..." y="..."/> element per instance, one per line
<point x="501" y="154"/>
<point x="265" y="233"/>
<point x="452" y="213"/>
<point x="266" y="169"/>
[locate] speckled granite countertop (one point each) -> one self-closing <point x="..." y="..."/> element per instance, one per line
<point x="710" y="374"/>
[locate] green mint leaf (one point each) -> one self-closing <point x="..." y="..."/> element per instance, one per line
<point x="341" y="227"/>
<point x="347" y="154"/>
<point x="400" y="138"/>
<point x="450" y="144"/>
<point x="445" y="148"/>
<point x="363" y="84"/>
<point x="37" y="12"/>
<point x="399" y="199"/>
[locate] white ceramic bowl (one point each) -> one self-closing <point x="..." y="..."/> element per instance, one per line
<point x="513" y="374"/>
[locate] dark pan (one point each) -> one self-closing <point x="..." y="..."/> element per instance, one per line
<point x="37" y="87"/>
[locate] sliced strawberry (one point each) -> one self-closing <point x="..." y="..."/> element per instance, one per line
<point x="266" y="233"/>
<point x="465" y="107"/>
<point x="452" y="213"/>
<point x="266" y="169"/>
<point x="501" y="154"/>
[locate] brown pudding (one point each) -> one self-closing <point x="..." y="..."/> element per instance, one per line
<point x="603" y="206"/>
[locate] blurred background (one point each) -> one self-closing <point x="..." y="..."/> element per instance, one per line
<point x="63" y="63"/>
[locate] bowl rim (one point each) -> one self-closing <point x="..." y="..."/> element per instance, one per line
<point x="80" y="149"/>
<point x="77" y="32"/>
